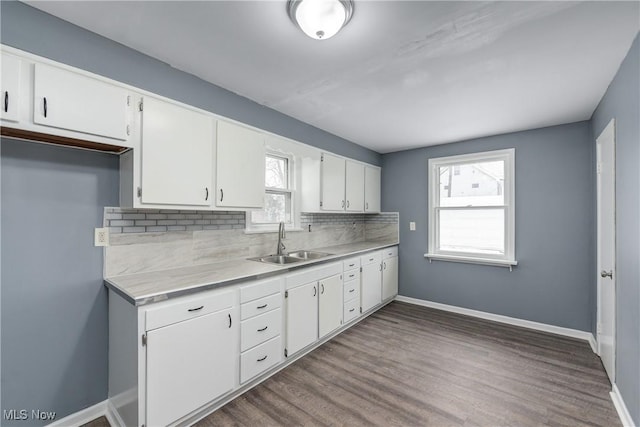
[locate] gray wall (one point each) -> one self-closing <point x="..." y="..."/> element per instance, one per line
<point x="553" y="282"/>
<point x="54" y="304"/>
<point x="29" y="29"/>
<point x="622" y="102"/>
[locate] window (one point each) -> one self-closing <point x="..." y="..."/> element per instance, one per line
<point x="278" y="195"/>
<point x="471" y="208"/>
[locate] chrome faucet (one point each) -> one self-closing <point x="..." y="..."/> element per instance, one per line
<point x="281" y="236"/>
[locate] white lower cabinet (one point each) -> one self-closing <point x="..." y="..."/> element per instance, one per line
<point x="389" y="273"/>
<point x="260" y="358"/>
<point x="189" y="364"/>
<point x="302" y="316"/>
<point x="371" y="280"/>
<point x="330" y="305"/>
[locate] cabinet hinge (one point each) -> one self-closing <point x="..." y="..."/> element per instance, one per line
<point x="360" y="269"/>
<point x="286" y="353"/>
<point x="286" y="294"/>
<point x="599" y="168"/>
<point x="320" y="203"/>
<point x="322" y="157"/>
<point x="144" y="340"/>
<point x="599" y="328"/>
<point x="139" y="191"/>
<point x="141" y="106"/>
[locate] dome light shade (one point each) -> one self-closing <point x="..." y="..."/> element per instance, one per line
<point x="320" y="19"/>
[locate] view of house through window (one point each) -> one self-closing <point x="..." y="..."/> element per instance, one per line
<point x="277" y="199"/>
<point x="471" y="212"/>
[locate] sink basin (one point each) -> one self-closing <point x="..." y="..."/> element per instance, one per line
<point x="291" y="258"/>
<point x="308" y="254"/>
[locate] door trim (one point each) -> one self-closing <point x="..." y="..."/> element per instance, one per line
<point x="609" y="128"/>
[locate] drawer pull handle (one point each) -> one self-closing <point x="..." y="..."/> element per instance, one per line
<point x="263" y="329"/>
<point x="351" y="290"/>
<point x="196" y="309"/>
<point x="352" y="310"/>
<point x="229" y="320"/>
<point x="261" y="359"/>
<point x="352" y="275"/>
<point x="262" y="306"/>
<point x="351" y="265"/>
<point x="371" y="259"/>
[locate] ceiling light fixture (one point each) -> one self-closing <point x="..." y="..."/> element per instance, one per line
<point x="320" y="19"/>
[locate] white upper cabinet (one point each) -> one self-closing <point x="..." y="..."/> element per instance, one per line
<point x="371" y="189"/>
<point x="176" y="155"/>
<point x="240" y="165"/>
<point x="354" y="187"/>
<point x="10" y="87"/>
<point x="71" y="101"/>
<point x="332" y="183"/>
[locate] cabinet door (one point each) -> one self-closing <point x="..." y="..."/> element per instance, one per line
<point x="371" y="189"/>
<point x="10" y="88"/>
<point x="189" y="364"/>
<point x="302" y="317"/>
<point x="371" y="283"/>
<point x="177" y="155"/>
<point x="354" y="187"/>
<point x="240" y="167"/>
<point x="66" y="100"/>
<point x="389" y="278"/>
<point x="330" y="304"/>
<point x="332" y="183"/>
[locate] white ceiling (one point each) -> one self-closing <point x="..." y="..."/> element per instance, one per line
<point x="401" y="74"/>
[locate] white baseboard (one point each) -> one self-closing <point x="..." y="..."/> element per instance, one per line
<point x="594" y="344"/>
<point x="82" y="417"/>
<point x="567" y="332"/>
<point x="623" y="412"/>
<point x="112" y="416"/>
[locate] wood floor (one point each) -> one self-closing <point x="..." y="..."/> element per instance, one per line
<point x="407" y="365"/>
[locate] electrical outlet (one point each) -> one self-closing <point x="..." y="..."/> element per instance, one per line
<point x="412" y="226"/>
<point x="101" y="237"/>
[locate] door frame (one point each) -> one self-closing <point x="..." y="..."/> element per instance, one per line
<point x="609" y="128"/>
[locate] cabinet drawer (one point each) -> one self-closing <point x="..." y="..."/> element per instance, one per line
<point x="351" y="275"/>
<point x="351" y="263"/>
<point x="352" y="290"/>
<point x="374" y="257"/>
<point x="187" y="308"/>
<point x="259" y="359"/>
<point x="260" y="306"/>
<point x="351" y="310"/>
<point x="259" y="289"/>
<point x="389" y="252"/>
<point x="260" y="328"/>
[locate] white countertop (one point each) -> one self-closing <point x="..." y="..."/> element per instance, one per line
<point x="145" y="288"/>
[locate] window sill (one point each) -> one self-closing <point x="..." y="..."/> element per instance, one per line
<point x="266" y="230"/>
<point x="473" y="260"/>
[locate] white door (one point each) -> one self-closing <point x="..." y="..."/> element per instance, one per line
<point x="66" y="100"/>
<point x="189" y="364"/>
<point x="389" y="278"/>
<point x="354" y="187"/>
<point x="10" y="88"/>
<point x="240" y="163"/>
<point x="371" y="189"/>
<point x="177" y="154"/>
<point x="302" y="317"/>
<point x="605" y="146"/>
<point x="331" y="307"/>
<point x="332" y="183"/>
<point x="371" y="282"/>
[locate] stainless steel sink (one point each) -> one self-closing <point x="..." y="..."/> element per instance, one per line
<point x="308" y="254"/>
<point x="278" y="259"/>
<point x="291" y="258"/>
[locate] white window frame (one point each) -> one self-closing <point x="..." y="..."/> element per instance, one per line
<point x="252" y="227"/>
<point x="506" y="260"/>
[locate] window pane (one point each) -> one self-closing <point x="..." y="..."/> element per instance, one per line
<point x="477" y="230"/>
<point x="277" y="208"/>
<point x="276" y="172"/>
<point x="472" y="184"/>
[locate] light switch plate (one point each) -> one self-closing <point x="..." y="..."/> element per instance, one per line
<point x="412" y="226"/>
<point x="101" y="237"/>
